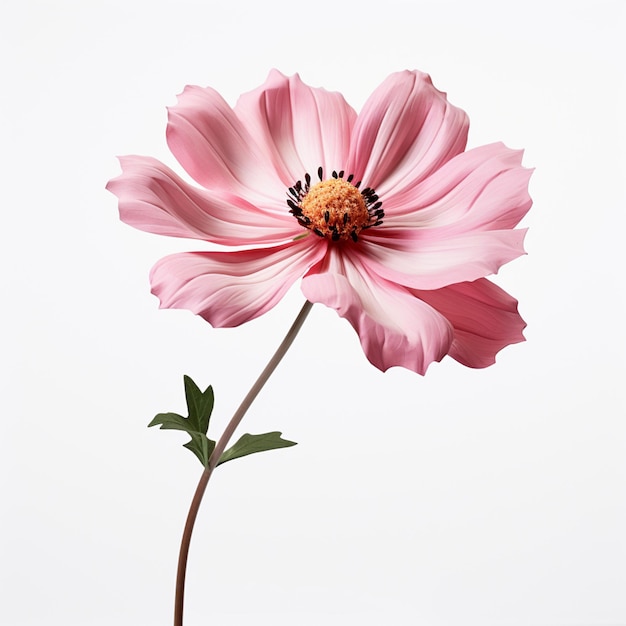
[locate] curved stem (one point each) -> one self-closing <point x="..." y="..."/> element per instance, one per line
<point x="217" y="453"/>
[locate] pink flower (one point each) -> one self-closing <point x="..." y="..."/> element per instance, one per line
<point x="384" y="215"/>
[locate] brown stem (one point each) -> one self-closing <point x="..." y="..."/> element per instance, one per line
<point x="217" y="453"/>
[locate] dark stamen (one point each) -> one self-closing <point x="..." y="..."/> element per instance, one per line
<point x="349" y="179"/>
<point x="341" y="174"/>
<point x="317" y="231"/>
<point x="326" y="216"/>
<point x="320" y="173"/>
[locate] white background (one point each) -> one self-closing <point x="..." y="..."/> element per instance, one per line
<point x="465" y="497"/>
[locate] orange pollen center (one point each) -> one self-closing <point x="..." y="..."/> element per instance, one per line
<point x="336" y="209"/>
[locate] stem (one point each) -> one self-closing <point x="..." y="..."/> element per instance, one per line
<point x="217" y="453"/>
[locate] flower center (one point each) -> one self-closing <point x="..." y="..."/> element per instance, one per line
<point x="334" y="208"/>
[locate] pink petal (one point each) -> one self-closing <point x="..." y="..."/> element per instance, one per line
<point x="484" y="317"/>
<point x="406" y="130"/>
<point x="483" y="189"/>
<point x="395" y="327"/>
<point x="230" y="288"/>
<point x="301" y="127"/>
<point x="153" y="198"/>
<point x="214" y="147"/>
<point x="423" y="262"/>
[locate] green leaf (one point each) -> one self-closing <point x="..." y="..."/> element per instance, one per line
<point x="196" y="425"/>
<point x="199" y="404"/>
<point x="171" y="421"/>
<point x="250" y="444"/>
<point x="201" y="446"/>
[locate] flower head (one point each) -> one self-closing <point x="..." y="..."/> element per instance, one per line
<point x="384" y="215"/>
